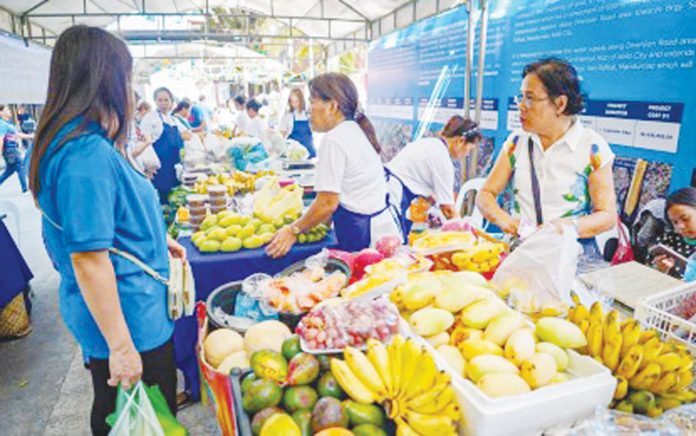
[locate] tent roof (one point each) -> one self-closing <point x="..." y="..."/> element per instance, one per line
<point x="311" y="17"/>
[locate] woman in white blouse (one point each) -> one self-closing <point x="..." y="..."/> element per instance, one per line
<point x="350" y="183"/>
<point x="166" y="134"/>
<point x="559" y="171"/>
<point x="295" y="123"/>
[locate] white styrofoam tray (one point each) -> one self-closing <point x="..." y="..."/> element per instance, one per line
<point x="533" y="413"/>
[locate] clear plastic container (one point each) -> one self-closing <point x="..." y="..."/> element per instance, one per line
<point x="196" y="201"/>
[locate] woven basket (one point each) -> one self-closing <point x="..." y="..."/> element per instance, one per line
<point x="14" y="319"/>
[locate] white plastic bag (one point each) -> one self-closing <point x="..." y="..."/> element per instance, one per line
<point x="137" y="417"/>
<point x="148" y="159"/>
<point x="540" y="272"/>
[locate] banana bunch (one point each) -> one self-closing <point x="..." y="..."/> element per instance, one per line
<point x="404" y="378"/>
<point x="482" y="257"/>
<point x="639" y="359"/>
<point x="430" y="240"/>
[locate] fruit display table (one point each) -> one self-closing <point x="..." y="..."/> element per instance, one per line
<point x="16" y="274"/>
<point x="211" y="270"/>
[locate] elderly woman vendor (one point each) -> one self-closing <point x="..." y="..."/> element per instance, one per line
<point x="557" y="170"/>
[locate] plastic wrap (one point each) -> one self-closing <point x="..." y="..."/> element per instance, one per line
<point x="329" y="328"/>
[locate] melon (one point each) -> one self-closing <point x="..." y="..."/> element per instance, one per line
<point x="220" y="344"/>
<point x="267" y="335"/>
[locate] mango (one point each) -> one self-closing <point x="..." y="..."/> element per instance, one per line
<point x="303" y="369"/>
<point x="538" y="370"/>
<point x="266" y="228"/>
<point x="234" y="230"/>
<point x="359" y="414"/>
<point x="209" y="222"/>
<point x="501" y="384"/>
<point x="209" y="246"/>
<point x="438" y="339"/>
<point x="246" y="231"/>
<point x="261" y="394"/>
<point x="420" y="293"/>
<point x="557" y="352"/>
<point x="479" y="314"/>
<point x="560" y="332"/>
<point x="328" y="386"/>
<point x="455" y="299"/>
<point x="247" y="380"/>
<point x="460" y="334"/>
<point x="484" y="364"/>
<point x="430" y="321"/>
<point x="454" y="358"/>
<point x="368" y="430"/>
<point x="231" y="244"/>
<point x="291" y="347"/>
<point x="244" y="220"/>
<point x="559" y="377"/>
<point x="464" y="278"/>
<point x="266" y="237"/>
<point x="328" y="413"/>
<point x="280" y="424"/>
<point x="261" y="417"/>
<point x="252" y="242"/>
<point x="219" y="235"/>
<point x="642" y="401"/>
<point x="256" y="223"/>
<point x="475" y="347"/>
<point x="303" y="419"/>
<point x="269" y="365"/>
<point x="502" y="326"/>
<point x="227" y="221"/>
<point x="299" y="398"/>
<point x="520" y="346"/>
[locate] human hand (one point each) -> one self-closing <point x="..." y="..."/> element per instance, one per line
<point x="664" y="263"/>
<point x="282" y="242"/>
<point x="510" y="225"/>
<point x="125" y="367"/>
<point x="175" y="249"/>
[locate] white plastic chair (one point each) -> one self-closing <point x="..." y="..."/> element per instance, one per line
<point x="12" y="220"/>
<point x="471" y="185"/>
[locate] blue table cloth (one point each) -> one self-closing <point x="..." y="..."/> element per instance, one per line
<point x="211" y="270"/>
<point x="15" y="274"/>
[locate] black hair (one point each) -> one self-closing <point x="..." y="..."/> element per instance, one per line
<point x="253" y="105"/>
<point x="240" y="100"/>
<point x="163" y="89"/>
<point x="682" y="197"/>
<point x="183" y="104"/>
<point x="464" y="127"/>
<point x="559" y="78"/>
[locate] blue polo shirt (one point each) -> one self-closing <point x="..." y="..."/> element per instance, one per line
<point x="101" y="201"/>
<point x="199" y="114"/>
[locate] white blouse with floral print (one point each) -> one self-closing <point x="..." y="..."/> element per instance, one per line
<point x="563" y="171"/>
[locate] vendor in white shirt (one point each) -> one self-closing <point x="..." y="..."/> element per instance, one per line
<point x="166" y="134"/>
<point x="241" y="119"/>
<point x="350" y="184"/>
<point x="559" y="171"/>
<point x="295" y="123"/>
<point x="424" y="168"/>
<point x="255" y="126"/>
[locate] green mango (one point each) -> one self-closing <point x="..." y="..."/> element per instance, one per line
<point x="253" y="242"/>
<point x="219" y="234"/>
<point x="303" y="369"/>
<point x="642" y="401"/>
<point x="299" y="398"/>
<point x="303" y="418"/>
<point x="246" y="381"/>
<point x="257" y="223"/>
<point x="247" y="231"/>
<point x="291" y="347"/>
<point x="266" y="237"/>
<point x="302" y="238"/>
<point x="278" y="224"/>
<point x="210" y="246"/>
<point x="261" y="394"/>
<point x="327" y="386"/>
<point x="364" y="413"/>
<point x="368" y="430"/>
<point x="261" y="417"/>
<point x="234" y="230"/>
<point x="266" y="228"/>
<point x="222" y="215"/>
<point x="209" y="222"/>
<point x="230" y="245"/>
<point x="244" y="220"/>
<point x="227" y="221"/>
<point x="270" y="365"/>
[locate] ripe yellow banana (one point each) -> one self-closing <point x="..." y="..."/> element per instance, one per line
<point x="612" y="327"/>
<point x="646" y="377"/>
<point x="404" y="429"/>
<point x="631" y="335"/>
<point x="423" y="379"/>
<point x="377" y="355"/>
<point x="646" y="335"/>
<point x="594" y="339"/>
<point x="437" y="404"/>
<point x="631" y="362"/>
<point x="664" y="383"/>
<point x="361" y="366"/>
<point x="651" y="349"/>
<point x="575" y="298"/>
<point x="411" y="353"/>
<point x="621" y="388"/>
<point x="350" y="383"/>
<point x="430" y="424"/>
<point x="453" y="412"/>
<point x="394" y="350"/>
<point x="596" y="314"/>
<point x="581" y="313"/>
<point x="669" y="361"/>
<point x="684" y="379"/>
<point x="428" y="396"/>
<point x="612" y="351"/>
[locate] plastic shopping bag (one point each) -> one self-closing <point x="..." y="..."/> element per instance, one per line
<point x="143" y="411"/>
<point x="539" y="274"/>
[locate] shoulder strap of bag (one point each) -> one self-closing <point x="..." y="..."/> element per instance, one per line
<point x="154" y="274"/>
<point x="536" y="191"/>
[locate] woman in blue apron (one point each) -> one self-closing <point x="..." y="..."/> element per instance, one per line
<point x="350" y="184"/>
<point x="167" y="135"/>
<point x="296" y="123"/>
<point x="424" y="168"/>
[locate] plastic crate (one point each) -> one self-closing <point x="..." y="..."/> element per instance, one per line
<point x="657" y="312"/>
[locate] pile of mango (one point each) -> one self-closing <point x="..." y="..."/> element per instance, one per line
<point x="230" y="232"/>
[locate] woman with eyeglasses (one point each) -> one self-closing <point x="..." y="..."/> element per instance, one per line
<point x="424" y="168"/>
<point x="557" y="170"/>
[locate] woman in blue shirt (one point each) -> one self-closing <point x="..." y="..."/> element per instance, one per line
<point x="93" y="199"/>
<point x="10" y="150"/>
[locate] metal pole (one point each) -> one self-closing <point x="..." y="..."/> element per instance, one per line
<point x="481" y="59"/>
<point x="469" y="56"/>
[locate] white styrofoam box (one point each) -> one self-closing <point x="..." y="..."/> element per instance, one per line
<point x="546" y="408"/>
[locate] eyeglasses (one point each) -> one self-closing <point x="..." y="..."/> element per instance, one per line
<point x="528" y="101"/>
